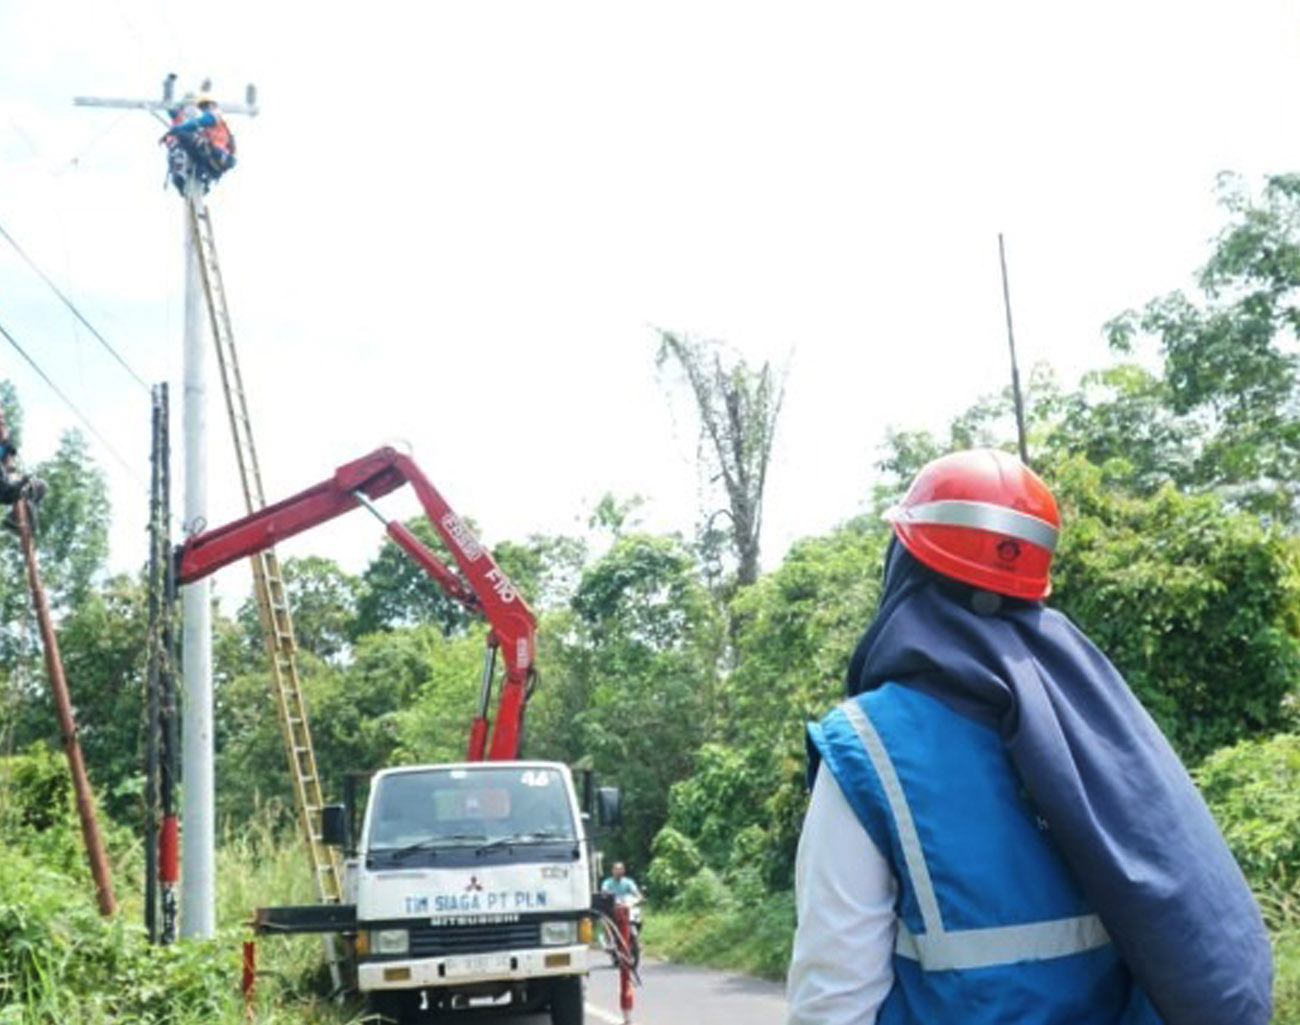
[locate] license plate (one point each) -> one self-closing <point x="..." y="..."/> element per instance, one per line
<point x="478" y="964"/>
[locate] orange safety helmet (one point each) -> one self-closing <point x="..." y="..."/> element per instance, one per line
<point x="984" y="518"/>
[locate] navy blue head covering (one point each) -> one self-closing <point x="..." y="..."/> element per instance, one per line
<point x="1123" y="810"/>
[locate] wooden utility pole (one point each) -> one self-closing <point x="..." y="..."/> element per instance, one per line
<point x="62" y="701"/>
<point x="1018" y="397"/>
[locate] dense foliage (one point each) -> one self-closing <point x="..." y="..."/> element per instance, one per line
<point x="1254" y="789"/>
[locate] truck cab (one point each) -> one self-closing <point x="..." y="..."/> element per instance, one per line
<point x="472" y="889"/>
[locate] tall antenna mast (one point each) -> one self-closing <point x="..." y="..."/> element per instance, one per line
<point x="1017" y="395"/>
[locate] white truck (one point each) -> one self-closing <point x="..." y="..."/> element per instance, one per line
<point x="472" y="885"/>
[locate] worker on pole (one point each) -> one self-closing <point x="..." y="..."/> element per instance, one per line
<point x="178" y="161"/>
<point x="14" y="486"/>
<point x="998" y="831"/>
<point x="206" y="139"/>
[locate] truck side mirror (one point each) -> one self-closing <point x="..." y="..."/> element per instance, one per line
<point x="334" y="825"/>
<point x="609" y="806"/>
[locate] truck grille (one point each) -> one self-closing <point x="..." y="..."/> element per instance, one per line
<point x="440" y="940"/>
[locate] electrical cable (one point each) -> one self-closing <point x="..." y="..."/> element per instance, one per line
<point x="73" y="163"/>
<point x="71" y="405"/>
<point x="72" y="306"/>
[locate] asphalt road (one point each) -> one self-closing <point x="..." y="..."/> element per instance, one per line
<point x="677" y="995"/>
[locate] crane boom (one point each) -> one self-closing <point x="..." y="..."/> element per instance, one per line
<point x="481" y="584"/>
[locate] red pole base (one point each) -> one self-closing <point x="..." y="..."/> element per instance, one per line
<point x="249" y="975"/>
<point x="623" y="919"/>
<point x="169" y="845"/>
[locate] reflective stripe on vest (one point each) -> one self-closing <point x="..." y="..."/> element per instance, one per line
<point x="997" y="519"/>
<point x="937" y="949"/>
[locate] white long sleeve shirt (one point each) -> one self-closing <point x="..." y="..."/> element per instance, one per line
<point x="842" y="968"/>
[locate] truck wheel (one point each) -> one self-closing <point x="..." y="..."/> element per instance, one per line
<point x="566" y="1001"/>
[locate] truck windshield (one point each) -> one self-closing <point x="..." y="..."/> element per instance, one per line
<point x="470" y="807"/>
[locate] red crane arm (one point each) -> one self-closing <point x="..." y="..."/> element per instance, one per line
<point x="484" y="585"/>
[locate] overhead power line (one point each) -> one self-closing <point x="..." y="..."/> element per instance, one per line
<point x="73" y="307"/>
<point x="70" y="404"/>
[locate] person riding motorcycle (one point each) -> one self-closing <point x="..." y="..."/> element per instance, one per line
<point x="625" y="891"/>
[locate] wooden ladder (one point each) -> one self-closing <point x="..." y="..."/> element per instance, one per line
<point x="268" y="585"/>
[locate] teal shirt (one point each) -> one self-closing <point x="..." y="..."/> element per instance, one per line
<point x="625" y="887"/>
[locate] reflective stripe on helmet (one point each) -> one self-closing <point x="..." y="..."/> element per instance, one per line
<point x="997" y="519"/>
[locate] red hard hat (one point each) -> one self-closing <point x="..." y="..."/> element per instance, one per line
<point x="984" y="518"/>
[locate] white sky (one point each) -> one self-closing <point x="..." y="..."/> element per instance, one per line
<point x="455" y="223"/>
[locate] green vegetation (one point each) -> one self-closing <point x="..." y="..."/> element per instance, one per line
<point x="60" y="962"/>
<point x="674" y="669"/>
<point x="1286" y="992"/>
<point x="754" y="938"/>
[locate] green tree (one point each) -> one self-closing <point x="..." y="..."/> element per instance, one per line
<point x="631" y="676"/>
<point x="395" y="591"/>
<point x="72" y="536"/>
<point x="435" y="725"/>
<point x="102" y="640"/>
<point x="358" y="714"/>
<point x="323" y="601"/>
<point x="71" y="543"/>
<point x="800" y="624"/>
<point x="1123" y="416"/>
<point x="1197" y="606"/>
<point x="1228" y="365"/>
<point x="545" y="567"/>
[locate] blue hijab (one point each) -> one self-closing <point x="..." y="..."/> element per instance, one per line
<point x="1127" y="817"/>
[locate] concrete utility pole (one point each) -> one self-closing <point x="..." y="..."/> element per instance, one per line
<point x="198" y="816"/>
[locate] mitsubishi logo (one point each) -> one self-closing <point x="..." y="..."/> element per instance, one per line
<point x="474" y="885"/>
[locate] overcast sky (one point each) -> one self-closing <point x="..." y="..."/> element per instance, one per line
<point x="456" y="224"/>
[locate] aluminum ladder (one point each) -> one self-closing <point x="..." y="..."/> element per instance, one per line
<point x="268" y="585"/>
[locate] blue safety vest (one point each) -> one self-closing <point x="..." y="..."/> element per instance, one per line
<point x="992" y="926"/>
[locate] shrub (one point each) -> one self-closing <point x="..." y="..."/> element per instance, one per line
<point x="751" y="937"/>
<point x="676" y="861"/>
<point x="706" y="892"/>
<point x="35" y="790"/>
<point x="62" y="961"/>
<point x="1194" y="603"/>
<point x="1253" y="788"/>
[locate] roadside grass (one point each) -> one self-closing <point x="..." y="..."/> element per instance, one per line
<point x="259" y="864"/>
<point x="61" y="963"/>
<point x="1282" y="908"/>
<point x="752" y="937"/>
<point x="1286" y="989"/>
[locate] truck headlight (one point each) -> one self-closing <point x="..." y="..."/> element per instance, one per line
<point x="389" y="941"/>
<point x="559" y="934"/>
